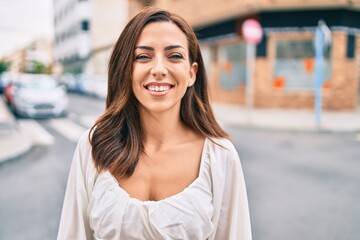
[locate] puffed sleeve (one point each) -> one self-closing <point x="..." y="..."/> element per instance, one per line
<point x="74" y="222"/>
<point x="234" y="218"/>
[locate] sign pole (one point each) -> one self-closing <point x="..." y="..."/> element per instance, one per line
<point x="250" y="57"/>
<point x="322" y="39"/>
<point x="252" y="33"/>
<point x="319" y="58"/>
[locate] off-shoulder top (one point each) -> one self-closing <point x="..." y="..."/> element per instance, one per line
<point x="213" y="206"/>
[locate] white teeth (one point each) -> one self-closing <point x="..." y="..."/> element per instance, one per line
<point x="158" y="89"/>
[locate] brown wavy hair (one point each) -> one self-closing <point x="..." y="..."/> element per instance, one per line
<point x="117" y="137"/>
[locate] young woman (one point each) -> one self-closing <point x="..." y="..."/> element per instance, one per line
<point x="156" y="165"/>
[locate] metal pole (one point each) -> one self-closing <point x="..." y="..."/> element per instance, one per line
<point x="319" y="58"/>
<point x="250" y="56"/>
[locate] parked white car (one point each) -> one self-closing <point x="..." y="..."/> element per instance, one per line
<point x="39" y="96"/>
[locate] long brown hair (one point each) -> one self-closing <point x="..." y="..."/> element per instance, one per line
<point x="116" y="137"/>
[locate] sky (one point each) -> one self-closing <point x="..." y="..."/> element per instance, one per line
<point x="21" y="21"/>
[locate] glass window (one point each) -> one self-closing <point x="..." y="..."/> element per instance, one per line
<point x="294" y="68"/>
<point x="232" y="62"/>
<point x="85" y="25"/>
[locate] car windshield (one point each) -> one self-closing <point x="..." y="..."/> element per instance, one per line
<point x="44" y="84"/>
<point x="37" y="82"/>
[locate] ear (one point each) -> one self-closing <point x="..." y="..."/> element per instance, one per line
<point x="192" y="73"/>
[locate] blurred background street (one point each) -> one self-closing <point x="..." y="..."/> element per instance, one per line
<point x="284" y="78"/>
<point x="301" y="184"/>
<point x="33" y="184"/>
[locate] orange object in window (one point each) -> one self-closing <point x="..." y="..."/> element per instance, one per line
<point x="227" y="67"/>
<point x="326" y="86"/>
<point x="279" y="82"/>
<point x="309" y="65"/>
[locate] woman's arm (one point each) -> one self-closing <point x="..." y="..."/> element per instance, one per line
<point x="234" y="219"/>
<point x="74" y="223"/>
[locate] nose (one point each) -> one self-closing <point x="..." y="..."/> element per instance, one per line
<point x="159" y="69"/>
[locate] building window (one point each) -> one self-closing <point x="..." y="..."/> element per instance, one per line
<point x="85" y="25"/>
<point x="350" y="46"/>
<point x="232" y="62"/>
<point x="294" y="67"/>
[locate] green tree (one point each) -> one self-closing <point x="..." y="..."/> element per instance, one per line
<point x="39" y="68"/>
<point x="36" y="67"/>
<point x="4" y="66"/>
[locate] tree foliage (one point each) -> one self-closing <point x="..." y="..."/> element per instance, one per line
<point x="4" y="66"/>
<point x="36" y="67"/>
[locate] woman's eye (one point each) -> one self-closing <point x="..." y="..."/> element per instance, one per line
<point x="142" y="57"/>
<point x="176" y="56"/>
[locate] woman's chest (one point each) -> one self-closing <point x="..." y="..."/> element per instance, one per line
<point x="162" y="175"/>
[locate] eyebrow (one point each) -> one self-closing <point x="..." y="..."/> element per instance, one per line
<point x="166" y="48"/>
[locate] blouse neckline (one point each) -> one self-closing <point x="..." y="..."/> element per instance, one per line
<point x="146" y="202"/>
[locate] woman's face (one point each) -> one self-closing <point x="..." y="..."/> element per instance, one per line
<point x="161" y="69"/>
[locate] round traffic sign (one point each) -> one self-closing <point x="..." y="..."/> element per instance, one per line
<point x="252" y="31"/>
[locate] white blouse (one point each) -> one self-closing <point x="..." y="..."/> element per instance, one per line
<point x="214" y="206"/>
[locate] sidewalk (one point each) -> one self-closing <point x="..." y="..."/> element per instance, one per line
<point x="298" y="120"/>
<point x="14" y="143"/>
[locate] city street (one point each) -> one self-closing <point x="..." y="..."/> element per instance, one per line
<point x="301" y="185"/>
<point x="33" y="185"/>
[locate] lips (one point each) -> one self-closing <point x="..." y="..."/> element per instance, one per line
<point x="155" y="87"/>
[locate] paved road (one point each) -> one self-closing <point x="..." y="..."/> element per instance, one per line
<point x="33" y="185"/>
<point x="301" y="185"/>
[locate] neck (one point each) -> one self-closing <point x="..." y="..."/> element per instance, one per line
<point x="162" y="129"/>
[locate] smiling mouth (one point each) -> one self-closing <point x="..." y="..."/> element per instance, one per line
<point x="158" y="87"/>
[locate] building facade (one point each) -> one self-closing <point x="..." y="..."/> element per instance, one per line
<point x="72" y="36"/>
<point x="108" y="19"/>
<point x="284" y="66"/>
<point x="85" y="31"/>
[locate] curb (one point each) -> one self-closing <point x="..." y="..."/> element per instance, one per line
<point x="13" y="142"/>
<point x="287" y="120"/>
<point x="13" y="145"/>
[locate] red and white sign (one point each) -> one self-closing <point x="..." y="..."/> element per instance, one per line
<point x="252" y="31"/>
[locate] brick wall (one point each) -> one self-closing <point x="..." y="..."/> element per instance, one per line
<point x="340" y="93"/>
